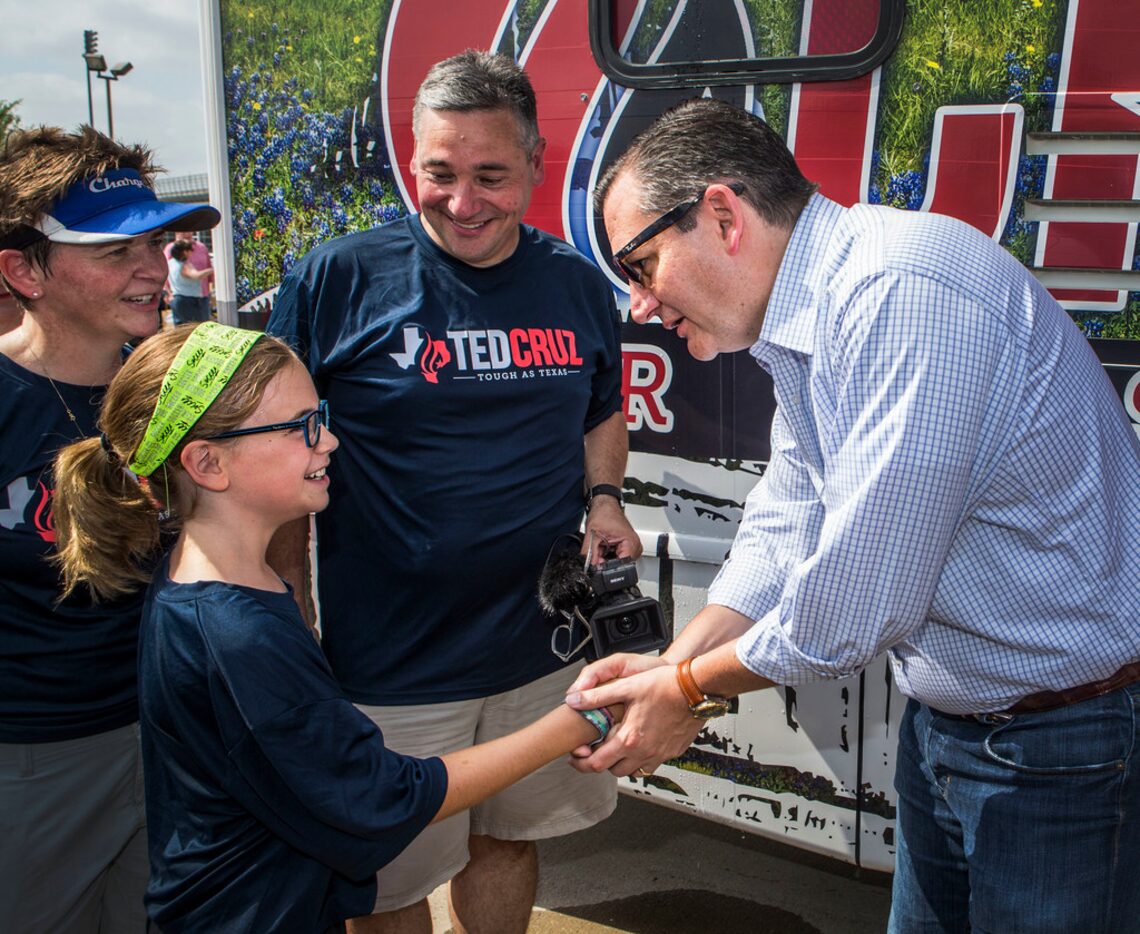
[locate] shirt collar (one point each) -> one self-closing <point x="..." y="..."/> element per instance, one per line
<point x="789" y="320"/>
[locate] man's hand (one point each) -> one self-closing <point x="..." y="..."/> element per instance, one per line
<point x="612" y="667"/>
<point x="657" y="724"/>
<point x="606" y="524"/>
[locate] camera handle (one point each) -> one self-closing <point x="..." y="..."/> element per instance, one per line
<point x="568" y="628"/>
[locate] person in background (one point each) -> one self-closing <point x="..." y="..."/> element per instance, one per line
<point x="271" y="800"/>
<point x="953" y="481"/>
<point x="81" y="236"/>
<point x="474" y="364"/>
<point x="186" y="303"/>
<point x="199" y="259"/>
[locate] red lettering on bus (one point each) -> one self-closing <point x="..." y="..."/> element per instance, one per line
<point x="646" y="373"/>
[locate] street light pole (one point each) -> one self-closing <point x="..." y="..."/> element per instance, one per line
<point x="110" y="119"/>
<point x="90" y="102"/>
<point x="116" y="73"/>
<point x="95" y="62"/>
<point x="98" y="64"/>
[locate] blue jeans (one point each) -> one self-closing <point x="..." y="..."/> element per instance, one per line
<point x="1028" y="826"/>
<point x="187" y="308"/>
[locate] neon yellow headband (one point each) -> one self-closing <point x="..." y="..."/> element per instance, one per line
<point x="200" y="371"/>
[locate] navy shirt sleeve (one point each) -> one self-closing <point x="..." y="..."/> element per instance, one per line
<point x="311" y="764"/>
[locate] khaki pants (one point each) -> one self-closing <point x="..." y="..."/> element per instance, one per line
<point x="73" y="856"/>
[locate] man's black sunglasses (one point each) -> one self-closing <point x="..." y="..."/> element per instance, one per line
<point x="310" y="424"/>
<point x="630" y="272"/>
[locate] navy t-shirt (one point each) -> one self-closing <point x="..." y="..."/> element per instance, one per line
<point x="461" y="397"/>
<point x="66" y="670"/>
<point x="271" y="800"/>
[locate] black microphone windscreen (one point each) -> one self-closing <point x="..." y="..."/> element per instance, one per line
<point x="563" y="583"/>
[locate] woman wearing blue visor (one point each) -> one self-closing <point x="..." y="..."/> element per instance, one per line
<point x="81" y="236"/>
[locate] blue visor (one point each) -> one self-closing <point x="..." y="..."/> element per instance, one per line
<point x="117" y="206"/>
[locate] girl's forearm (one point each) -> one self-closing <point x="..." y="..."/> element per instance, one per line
<point x="477" y="773"/>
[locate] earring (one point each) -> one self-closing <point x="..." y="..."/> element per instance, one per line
<point x="34" y="295"/>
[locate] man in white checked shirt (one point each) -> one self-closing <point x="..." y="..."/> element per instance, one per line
<point x="953" y="481"/>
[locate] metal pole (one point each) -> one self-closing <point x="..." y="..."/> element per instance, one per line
<point x="217" y="162"/>
<point x="110" y="121"/>
<point x="90" y="55"/>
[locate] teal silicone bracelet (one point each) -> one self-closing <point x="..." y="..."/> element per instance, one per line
<point x="601" y="719"/>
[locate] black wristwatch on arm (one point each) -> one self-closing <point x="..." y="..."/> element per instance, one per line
<point x="604" y="489"/>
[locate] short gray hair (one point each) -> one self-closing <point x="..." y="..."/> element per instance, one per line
<point x="704" y="140"/>
<point x="476" y="80"/>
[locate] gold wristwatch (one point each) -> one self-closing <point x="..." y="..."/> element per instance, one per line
<point x="702" y="706"/>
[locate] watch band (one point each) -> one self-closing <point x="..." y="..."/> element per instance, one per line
<point x="605" y="489"/>
<point x="693" y="694"/>
<point x="702" y="706"/>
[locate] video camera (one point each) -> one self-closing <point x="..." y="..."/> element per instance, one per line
<point x="604" y="610"/>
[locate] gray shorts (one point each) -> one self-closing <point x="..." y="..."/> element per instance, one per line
<point x="553" y="801"/>
<point x="73" y="857"/>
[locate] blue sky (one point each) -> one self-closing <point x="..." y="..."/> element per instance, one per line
<point x="159" y="103"/>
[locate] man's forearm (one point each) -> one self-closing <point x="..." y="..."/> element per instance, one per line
<point x="607" y="449"/>
<point x="714" y="626"/>
<point x="720" y="672"/>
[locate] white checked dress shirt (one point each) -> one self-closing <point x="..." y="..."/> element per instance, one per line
<point x="953" y="477"/>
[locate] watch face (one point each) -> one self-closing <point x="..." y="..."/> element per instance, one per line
<point x="710" y="707"/>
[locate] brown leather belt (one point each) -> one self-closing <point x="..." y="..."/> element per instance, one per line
<point x="1052" y="700"/>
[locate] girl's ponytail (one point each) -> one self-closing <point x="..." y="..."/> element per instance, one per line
<point x="107" y="530"/>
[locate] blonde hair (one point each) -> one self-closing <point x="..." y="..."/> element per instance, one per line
<point x="107" y="521"/>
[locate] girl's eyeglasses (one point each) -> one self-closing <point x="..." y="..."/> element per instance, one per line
<point x="310" y="424"/>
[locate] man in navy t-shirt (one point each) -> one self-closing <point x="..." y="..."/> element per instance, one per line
<point x="473" y="366"/>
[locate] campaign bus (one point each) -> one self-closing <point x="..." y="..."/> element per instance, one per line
<point x="1019" y="117"/>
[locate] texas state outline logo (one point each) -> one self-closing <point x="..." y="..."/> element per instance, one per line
<point x="421" y="349"/>
<point x="21" y="492"/>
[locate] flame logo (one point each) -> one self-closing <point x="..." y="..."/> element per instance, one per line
<point x="45" y="515"/>
<point x="434" y="358"/>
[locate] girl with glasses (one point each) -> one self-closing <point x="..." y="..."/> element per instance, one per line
<point x="271" y="800"/>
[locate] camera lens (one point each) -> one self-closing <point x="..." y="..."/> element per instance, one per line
<point x="626" y="625"/>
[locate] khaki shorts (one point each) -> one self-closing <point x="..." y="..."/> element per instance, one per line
<point x="553" y="801"/>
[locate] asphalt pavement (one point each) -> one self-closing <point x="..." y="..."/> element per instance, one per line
<point x="651" y="869"/>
